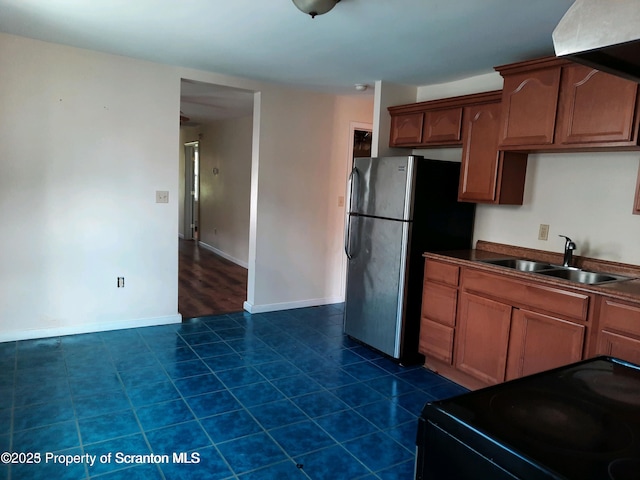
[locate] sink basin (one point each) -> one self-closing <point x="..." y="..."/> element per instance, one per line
<point x="557" y="271"/>
<point x="517" y="264"/>
<point x="582" y="276"/>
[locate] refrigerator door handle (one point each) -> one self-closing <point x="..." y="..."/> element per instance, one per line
<point x="353" y="186"/>
<point x="347" y="228"/>
<point x="347" y="236"/>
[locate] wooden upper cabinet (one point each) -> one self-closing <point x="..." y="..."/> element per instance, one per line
<point x="552" y="104"/>
<point x="442" y="126"/>
<point x="529" y="102"/>
<point x="596" y="108"/>
<point x="433" y="123"/>
<point x="487" y="175"/>
<point x="406" y="129"/>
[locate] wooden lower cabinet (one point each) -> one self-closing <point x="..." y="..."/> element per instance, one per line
<point x="619" y="330"/>
<point x="540" y="342"/>
<point x="438" y="313"/>
<point x="508" y="328"/>
<point x="482" y="338"/>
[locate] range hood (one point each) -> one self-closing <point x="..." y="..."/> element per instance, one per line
<point x="604" y="34"/>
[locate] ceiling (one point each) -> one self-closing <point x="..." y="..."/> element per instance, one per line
<point x="413" y="42"/>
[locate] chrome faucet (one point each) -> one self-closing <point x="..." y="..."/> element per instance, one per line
<point x="569" y="247"/>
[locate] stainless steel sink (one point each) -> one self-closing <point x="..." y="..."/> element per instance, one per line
<point x="557" y="271"/>
<point x="582" y="276"/>
<point x="517" y="264"/>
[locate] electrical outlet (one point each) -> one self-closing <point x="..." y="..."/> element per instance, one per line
<point x="120" y="282"/>
<point x="162" y="196"/>
<point x="543" y="233"/>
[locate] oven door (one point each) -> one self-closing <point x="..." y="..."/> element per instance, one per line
<point x="441" y="456"/>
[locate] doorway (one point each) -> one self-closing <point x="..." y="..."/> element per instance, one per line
<point x="216" y="125"/>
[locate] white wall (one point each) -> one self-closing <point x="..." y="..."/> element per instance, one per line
<point x="386" y="95"/>
<point x="587" y="196"/>
<point x="86" y="139"/>
<point x="302" y="165"/>
<point x="224" y="197"/>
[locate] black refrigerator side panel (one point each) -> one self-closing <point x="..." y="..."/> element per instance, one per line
<point x="440" y="223"/>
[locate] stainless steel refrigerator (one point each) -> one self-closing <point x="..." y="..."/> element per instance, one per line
<point x="398" y="208"/>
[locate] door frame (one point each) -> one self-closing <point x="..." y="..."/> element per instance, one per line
<point x="190" y="180"/>
<point x="353" y="126"/>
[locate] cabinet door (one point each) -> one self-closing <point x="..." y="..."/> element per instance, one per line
<point x="595" y="108"/>
<point x="406" y="129"/>
<point x="482" y="338"/>
<point x="487" y="175"/>
<point x="479" y="170"/>
<point x="442" y="127"/>
<point x="529" y="102"/>
<point x="540" y="342"/>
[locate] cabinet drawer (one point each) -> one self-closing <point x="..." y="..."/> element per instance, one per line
<point x="439" y="303"/>
<point x="441" y="272"/>
<point x="619" y="346"/>
<point x="540" y="297"/>
<point x="436" y="341"/>
<point x="622" y="317"/>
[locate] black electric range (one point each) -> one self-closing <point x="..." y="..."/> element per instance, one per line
<point x="578" y="422"/>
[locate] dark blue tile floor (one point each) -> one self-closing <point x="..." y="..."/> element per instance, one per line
<point x="281" y="395"/>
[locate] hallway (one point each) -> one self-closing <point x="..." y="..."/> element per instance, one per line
<point x="208" y="284"/>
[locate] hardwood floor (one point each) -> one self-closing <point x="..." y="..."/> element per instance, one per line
<point x="208" y="284"/>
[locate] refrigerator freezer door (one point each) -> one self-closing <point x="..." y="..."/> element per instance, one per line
<point x="382" y="187"/>
<point x="375" y="284"/>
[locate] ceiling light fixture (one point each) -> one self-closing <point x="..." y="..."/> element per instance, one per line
<point x="315" y="7"/>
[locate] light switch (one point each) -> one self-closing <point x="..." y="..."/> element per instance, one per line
<point x="341" y="201"/>
<point x="162" y="196"/>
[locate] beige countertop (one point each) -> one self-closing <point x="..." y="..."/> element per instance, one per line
<point x="623" y="290"/>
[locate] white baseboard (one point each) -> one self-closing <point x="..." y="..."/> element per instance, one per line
<point x="275" y="307"/>
<point x="223" y="254"/>
<point x="89" y="328"/>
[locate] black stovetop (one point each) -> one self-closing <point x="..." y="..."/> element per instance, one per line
<point x="578" y="422"/>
